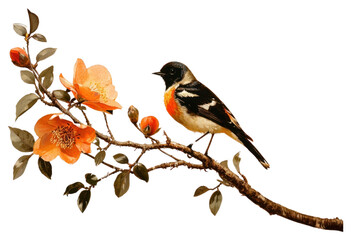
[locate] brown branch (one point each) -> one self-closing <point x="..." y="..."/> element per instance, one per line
<point x="244" y="188"/>
<point x="176" y="164"/>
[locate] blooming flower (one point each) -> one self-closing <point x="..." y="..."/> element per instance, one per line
<point x="19" y="57"/>
<point x="93" y="86"/>
<point x="59" y="137"/>
<point x="149" y="125"/>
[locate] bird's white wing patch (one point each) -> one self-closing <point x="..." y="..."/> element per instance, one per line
<point x="185" y="93"/>
<point x="208" y="105"/>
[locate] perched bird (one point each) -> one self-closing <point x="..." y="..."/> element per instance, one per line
<point x="198" y="109"/>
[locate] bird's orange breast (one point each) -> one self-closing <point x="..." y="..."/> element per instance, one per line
<point x="170" y="103"/>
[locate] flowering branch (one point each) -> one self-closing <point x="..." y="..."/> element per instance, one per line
<point x="63" y="138"/>
<point x="243" y="187"/>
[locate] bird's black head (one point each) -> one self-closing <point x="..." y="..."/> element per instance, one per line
<point x="172" y="72"/>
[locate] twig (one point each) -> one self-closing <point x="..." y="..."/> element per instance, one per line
<point x="137" y="160"/>
<point x="108" y="128"/>
<point x="169" y="155"/>
<point x="176" y="164"/>
<point x="109" y="174"/>
<point x="86" y="117"/>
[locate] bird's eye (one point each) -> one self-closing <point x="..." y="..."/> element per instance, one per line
<point x="172" y="71"/>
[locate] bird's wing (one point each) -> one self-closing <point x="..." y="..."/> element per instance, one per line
<point x="200" y="100"/>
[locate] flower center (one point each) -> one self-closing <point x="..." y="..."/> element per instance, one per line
<point x="96" y="87"/>
<point x="63" y="137"/>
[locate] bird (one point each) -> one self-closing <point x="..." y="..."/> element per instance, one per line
<point x="198" y="109"/>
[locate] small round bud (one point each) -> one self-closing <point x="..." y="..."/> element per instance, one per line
<point x="149" y="125"/>
<point x="19" y="57"/>
<point x="133" y="114"/>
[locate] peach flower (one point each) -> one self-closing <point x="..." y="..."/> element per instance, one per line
<point x="93" y="86"/>
<point x="59" y="137"/>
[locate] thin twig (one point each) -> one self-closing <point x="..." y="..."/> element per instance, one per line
<point x="169" y="155"/>
<point x="109" y="174"/>
<point x="86" y="117"/>
<point x="108" y="128"/>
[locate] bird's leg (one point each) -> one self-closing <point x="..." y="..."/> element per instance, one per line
<point x="201" y="136"/>
<point x="191" y="144"/>
<point x="209" y="144"/>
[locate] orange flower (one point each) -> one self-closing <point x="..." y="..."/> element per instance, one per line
<point x="19" y="57"/>
<point x="93" y="86"/>
<point x="59" y="137"/>
<point x="149" y="125"/>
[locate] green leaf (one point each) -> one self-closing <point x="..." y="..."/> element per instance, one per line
<point x="21" y="139"/>
<point x="215" y="202"/>
<point x="83" y="200"/>
<point x="61" y="95"/>
<point x="20" y="29"/>
<point x="140" y="171"/>
<point x="224" y="163"/>
<point x="39" y="37"/>
<point x="25" y="103"/>
<point x="47" y="76"/>
<point x="34" y="21"/>
<point x="121" y="183"/>
<point x="225" y="182"/>
<point x="73" y="188"/>
<point x="20" y="166"/>
<point x="45" y="168"/>
<point x="200" y="190"/>
<point x="27" y="77"/>
<point x="99" y="157"/>
<point x="97" y="142"/>
<point x="236" y="161"/>
<point x="121" y="158"/>
<point x="91" y="179"/>
<point x="45" y="53"/>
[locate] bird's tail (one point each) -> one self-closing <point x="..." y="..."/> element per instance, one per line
<point x="255" y="152"/>
<point x="244" y="139"/>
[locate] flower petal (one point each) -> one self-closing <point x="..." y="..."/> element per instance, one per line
<point x="80" y="72"/>
<point x="42" y="126"/>
<point x="111" y="105"/>
<point x="83" y="147"/>
<point x="66" y="83"/>
<point x="87" y="94"/>
<point x="70" y="155"/>
<point x="86" y="133"/>
<point x="56" y="121"/>
<point x="99" y="74"/>
<point x="111" y="93"/>
<point x="45" y="149"/>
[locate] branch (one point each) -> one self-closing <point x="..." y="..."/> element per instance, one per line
<point x="243" y="187"/>
<point x="176" y="164"/>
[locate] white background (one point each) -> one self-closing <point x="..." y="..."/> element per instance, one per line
<point x="281" y="67"/>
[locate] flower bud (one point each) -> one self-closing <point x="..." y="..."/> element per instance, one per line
<point x="133" y="114"/>
<point x="19" y="57"/>
<point x="149" y="125"/>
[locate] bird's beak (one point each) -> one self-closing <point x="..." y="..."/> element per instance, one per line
<point x="159" y="73"/>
